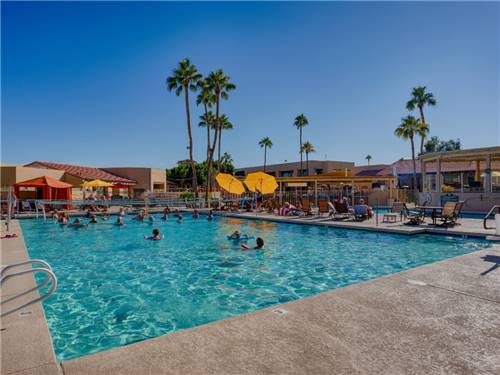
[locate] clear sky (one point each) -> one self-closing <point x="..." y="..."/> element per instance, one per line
<point x="85" y="82"/>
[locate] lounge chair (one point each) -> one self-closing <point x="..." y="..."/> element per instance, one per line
<point x="306" y="206"/>
<point x="323" y="206"/>
<point x="450" y="213"/>
<point x="26" y="206"/>
<point x="397" y="210"/>
<point x="334" y="214"/>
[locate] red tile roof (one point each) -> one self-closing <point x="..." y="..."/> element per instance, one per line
<point x="373" y="170"/>
<point x="86" y="173"/>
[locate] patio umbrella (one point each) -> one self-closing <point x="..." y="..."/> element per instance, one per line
<point x="262" y="182"/>
<point x="230" y="183"/>
<point x="97" y="183"/>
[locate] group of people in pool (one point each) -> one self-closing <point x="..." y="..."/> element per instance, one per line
<point x="236" y="235"/>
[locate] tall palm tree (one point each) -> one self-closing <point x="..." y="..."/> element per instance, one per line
<point x="308" y="148"/>
<point x="220" y="84"/>
<point x="183" y="79"/>
<point x="406" y="130"/>
<point x="368" y="158"/>
<point x="300" y="122"/>
<point x="207" y="120"/>
<point x="224" y="124"/>
<point x="207" y="99"/>
<point x="419" y="99"/>
<point x="266" y="143"/>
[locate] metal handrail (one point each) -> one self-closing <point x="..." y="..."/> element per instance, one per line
<point x="51" y="277"/>
<point x="40" y="262"/>
<point x="496" y="207"/>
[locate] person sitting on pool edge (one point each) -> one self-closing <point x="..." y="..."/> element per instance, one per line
<point x="259" y="243"/>
<point x="156" y="235"/>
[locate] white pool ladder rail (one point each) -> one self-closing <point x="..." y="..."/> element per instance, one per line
<point x="45" y="269"/>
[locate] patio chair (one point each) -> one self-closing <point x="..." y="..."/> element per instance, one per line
<point x="415" y="217"/>
<point x="26" y="206"/>
<point x="397" y="210"/>
<point x="306" y="206"/>
<point x="334" y="214"/>
<point x="450" y="213"/>
<point x="361" y="212"/>
<point x="323" y="206"/>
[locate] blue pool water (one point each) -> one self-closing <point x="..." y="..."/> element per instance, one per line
<point x="116" y="288"/>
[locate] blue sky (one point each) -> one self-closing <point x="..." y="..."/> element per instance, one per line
<point x="85" y="82"/>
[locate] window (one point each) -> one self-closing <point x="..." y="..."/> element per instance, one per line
<point x="318" y="171"/>
<point x="286" y="173"/>
<point x="271" y="173"/>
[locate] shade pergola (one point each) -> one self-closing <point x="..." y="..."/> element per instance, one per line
<point x="52" y="189"/>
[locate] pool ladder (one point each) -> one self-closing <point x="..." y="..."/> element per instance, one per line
<point x="44" y="268"/>
<point x="493" y="209"/>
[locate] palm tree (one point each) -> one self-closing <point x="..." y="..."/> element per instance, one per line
<point x="207" y="99"/>
<point x="406" y="130"/>
<point x="184" y="78"/>
<point x="419" y="99"/>
<point x="308" y="148"/>
<point x="207" y="120"/>
<point x="224" y="124"/>
<point x="300" y="122"/>
<point x="266" y="143"/>
<point x="219" y="83"/>
<point x="368" y="158"/>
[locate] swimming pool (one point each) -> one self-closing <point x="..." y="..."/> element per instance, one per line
<point x="116" y="288"/>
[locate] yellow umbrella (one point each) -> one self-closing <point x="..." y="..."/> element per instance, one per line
<point x="262" y="182"/>
<point x="97" y="183"/>
<point x="230" y="183"/>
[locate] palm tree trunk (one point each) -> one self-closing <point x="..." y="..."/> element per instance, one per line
<point x="217" y="128"/>
<point x="300" y="136"/>
<point x="307" y="163"/>
<point x="193" y="166"/>
<point x="265" y="157"/>
<point x="212" y="148"/>
<point x="414" y="164"/>
<point x="207" y="185"/>
<point x="218" y="147"/>
<point x="422" y="119"/>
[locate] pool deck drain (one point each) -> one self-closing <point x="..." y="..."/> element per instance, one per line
<point x="439" y="318"/>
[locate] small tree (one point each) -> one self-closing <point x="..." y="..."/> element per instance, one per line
<point x="368" y="158"/>
<point x="265" y="143"/>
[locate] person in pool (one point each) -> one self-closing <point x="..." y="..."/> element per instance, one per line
<point x="210" y="215"/>
<point x="122" y="212"/>
<point x="63" y="218"/>
<point x="165" y="216"/>
<point x="93" y="220"/>
<point x="77" y="224"/>
<point x="156" y="235"/>
<point x="141" y="216"/>
<point x="237" y="235"/>
<point x="259" y="244"/>
<point x="151" y="220"/>
<point x="119" y="220"/>
<point x="196" y="214"/>
<point x="179" y="218"/>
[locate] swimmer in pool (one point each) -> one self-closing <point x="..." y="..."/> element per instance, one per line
<point x="196" y="214"/>
<point x="119" y="220"/>
<point x="93" y="220"/>
<point x="156" y="235"/>
<point x="259" y="244"/>
<point x="141" y="216"/>
<point x="210" y="215"/>
<point x="77" y="224"/>
<point x="151" y="220"/>
<point x="179" y="218"/>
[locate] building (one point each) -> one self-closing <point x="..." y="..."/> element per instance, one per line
<point x="316" y="167"/>
<point x="146" y="179"/>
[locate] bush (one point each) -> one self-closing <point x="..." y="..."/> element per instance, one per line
<point x="186" y="195"/>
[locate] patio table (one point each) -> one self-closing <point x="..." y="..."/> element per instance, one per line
<point x="433" y="209"/>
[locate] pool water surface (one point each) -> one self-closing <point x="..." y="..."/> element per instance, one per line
<point x="116" y="288"/>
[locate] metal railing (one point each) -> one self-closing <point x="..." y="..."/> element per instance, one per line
<point x="493" y="209"/>
<point x="45" y="269"/>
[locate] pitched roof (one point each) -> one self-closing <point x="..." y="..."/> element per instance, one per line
<point x="44" y="181"/>
<point x="86" y="173"/>
<point x="373" y="170"/>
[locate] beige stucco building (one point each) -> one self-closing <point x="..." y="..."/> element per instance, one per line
<point x="147" y="179"/>
<point x="316" y="167"/>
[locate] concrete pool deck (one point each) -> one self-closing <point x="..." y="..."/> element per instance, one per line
<point x="439" y="318"/>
